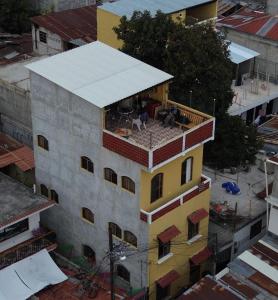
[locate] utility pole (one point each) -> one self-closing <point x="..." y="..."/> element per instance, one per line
<point x="111" y="248"/>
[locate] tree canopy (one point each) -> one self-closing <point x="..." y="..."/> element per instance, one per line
<point x="198" y="57"/>
<point x="15" y="15"/>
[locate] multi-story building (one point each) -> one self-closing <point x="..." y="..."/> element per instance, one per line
<point x="145" y="183"/>
<point x="110" y="13"/>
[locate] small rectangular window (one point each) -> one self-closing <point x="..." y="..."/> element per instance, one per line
<point x="43" y="38"/>
<point x="163" y="248"/>
<point x="193" y="229"/>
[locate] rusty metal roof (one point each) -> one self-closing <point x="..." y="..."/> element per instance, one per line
<point x="252" y="22"/>
<point x="12" y="152"/>
<point x="79" y="23"/>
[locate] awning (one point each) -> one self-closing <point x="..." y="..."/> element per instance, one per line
<point x="28" y="276"/>
<point x="168" y="234"/>
<point x="198" y="215"/>
<point x="239" y="54"/>
<point x="200" y="257"/>
<point x="168" y="278"/>
<point x="22" y="157"/>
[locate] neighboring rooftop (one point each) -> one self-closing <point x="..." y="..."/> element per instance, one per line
<point x="72" y="24"/>
<point x="239" y="54"/>
<point x="99" y="73"/>
<point x="251" y="22"/>
<point x="16" y="73"/>
<point x="224" y="219"/>
<point x="13" y="152"/>
<point x="18" y="201"/>
<point x="15" y="47"/>
<point x="268" y="131"/>
<point x="253" y="275"/>
<point x="127" y="7"/>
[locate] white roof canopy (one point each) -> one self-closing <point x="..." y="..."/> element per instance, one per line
<point x="28" y="276"/>
<point x="239" y="54"/>
<point x="99" y="73"/>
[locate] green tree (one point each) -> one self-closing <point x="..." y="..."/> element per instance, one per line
<point x="15" y="15"/>
<point x="235" y="144"/>
<point x="198" y="57"/>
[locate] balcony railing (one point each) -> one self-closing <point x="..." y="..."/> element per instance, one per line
<point x="159" y="144"/>
<point x="41" y="241"/>
<point x="150" y="217"/>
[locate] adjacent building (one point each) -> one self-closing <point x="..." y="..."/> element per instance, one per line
<point x="110" y="13"/>
<point x="60" y="31"/>
<point x="108" y="170"/>
<point x="255" y="88"/>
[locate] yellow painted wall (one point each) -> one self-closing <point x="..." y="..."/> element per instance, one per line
<point x="105" y="33"/>
<point x="159" y="93"/>
<point x="179" y="16"/>
<point x="171" y="180"/>
<point x="181" y="253"/>
<point x="203" y="12"/>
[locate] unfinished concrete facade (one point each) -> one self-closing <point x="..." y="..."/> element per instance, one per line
<point x="73" y="128"/>
<point x="58" y="5"/>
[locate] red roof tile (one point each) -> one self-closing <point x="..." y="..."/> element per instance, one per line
<point x="252" y="22"/>
<point x="71" y="24"/>
<point x="200" y="257"/>
<point x="198" y="215"/>
<point x="168" y="234"/>
<point x="168" y="278"/>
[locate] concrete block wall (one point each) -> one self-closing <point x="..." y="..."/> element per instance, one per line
<point x="15" y="112"/>
<point x="73" y="128"/>
<point x="272" y="7"/>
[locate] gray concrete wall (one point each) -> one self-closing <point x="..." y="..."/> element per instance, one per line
<point x="15" y="112"/>
<point x="272" y="7"/>
<point x="268" y="49"/>
<point x="73" y="129"/>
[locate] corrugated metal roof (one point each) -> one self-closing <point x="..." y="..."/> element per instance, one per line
<point x="99" y="73"/>
<point x="239" y="54"/>
<point x="127" y="7"/>
<point x="71" y="24"/>
<point x="252" y="22"/>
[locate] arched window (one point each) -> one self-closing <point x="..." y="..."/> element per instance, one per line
<point x="186" y="170"/>
<point x="89" y="253"/>
<point x="44" y="190"/>
<point x="87" y="164"/>
<point x="156" y="187"/>
<point x="110" y="175"/>
<point x="128" y="184"/>
<point x="123" y="273"/>
<point x="115" y="229"/>
<point x="130" y="238"/>
<point x="54" y="196"/>
<point x="43" y="142"/>
<point x="88" y="215"/>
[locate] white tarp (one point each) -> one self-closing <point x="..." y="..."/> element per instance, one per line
<point x="28" y="276"/>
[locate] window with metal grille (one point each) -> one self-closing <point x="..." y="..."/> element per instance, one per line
<point x="43" y="142"/>
<point x="87" y="164"/>
<point x="110" y="175"/>
<point x="156" y="187"/>
<point x="44" y="190"/>
<point x="43" y="37"/>
<point x="130" y="238"/>
<point x="128" y="184"/>
<point x="186" y="170"/>
<point x="123" y="273"/>
<point x="89" y="253"/>
<point x="54" y="196"/>
<point x="88" y="215"/>
<point x="115" y="229"/>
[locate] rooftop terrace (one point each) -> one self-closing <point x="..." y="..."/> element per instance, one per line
<point x="17" y="201"/>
